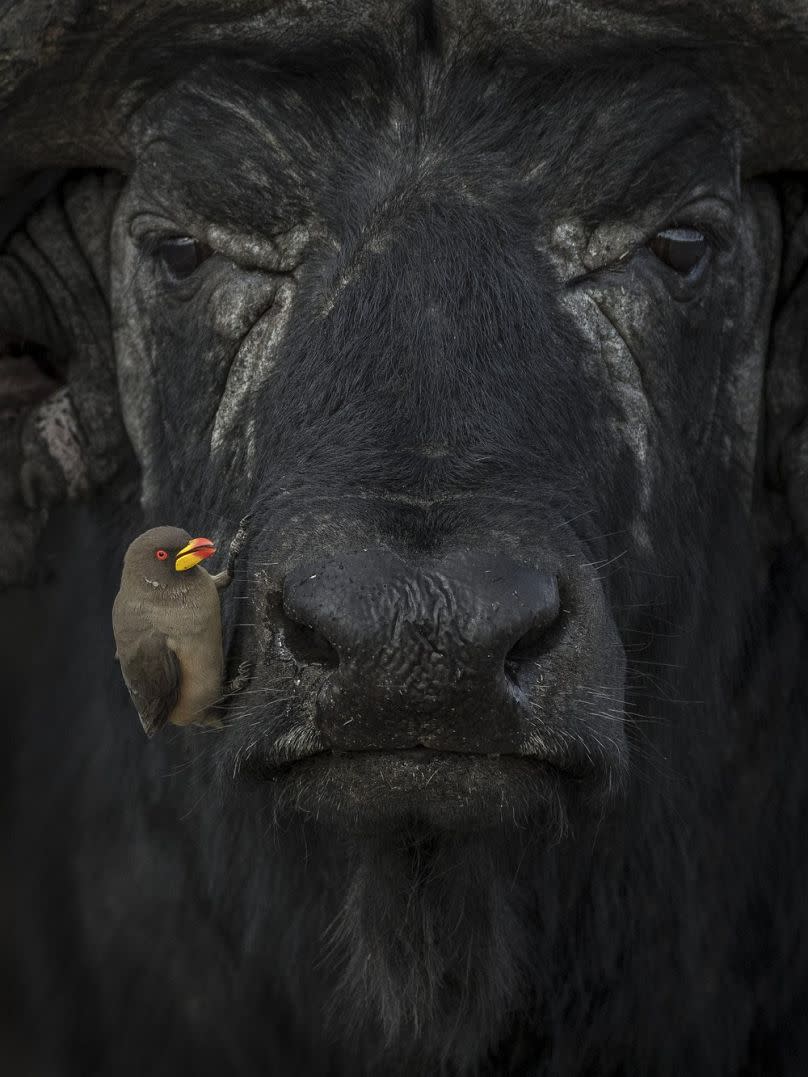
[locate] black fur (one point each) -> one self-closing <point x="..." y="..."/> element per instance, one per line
<point x="433" y="390"/>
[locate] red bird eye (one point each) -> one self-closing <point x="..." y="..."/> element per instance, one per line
<point x="161" y="555"/>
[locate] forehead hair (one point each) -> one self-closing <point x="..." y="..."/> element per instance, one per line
<point x="263" y="143"/>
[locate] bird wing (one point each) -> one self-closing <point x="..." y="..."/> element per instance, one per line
<point x="151" y="671"/>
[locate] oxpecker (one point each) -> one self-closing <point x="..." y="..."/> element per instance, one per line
<point x="167" y="627"/>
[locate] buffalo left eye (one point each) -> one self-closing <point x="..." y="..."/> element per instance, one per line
<point x="182" y="255"/>
<point x="683" y="249"/>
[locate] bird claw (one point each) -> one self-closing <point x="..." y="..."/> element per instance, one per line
<point x="237" y="543"/>
<point x="241" y="679"/>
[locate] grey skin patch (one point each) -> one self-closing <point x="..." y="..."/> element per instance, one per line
<point x="250" y="371"/>
<point x="625" y="387"/>
<point x="568" y="240"/>
<point x="135" y="357"/>
<point x="279" y="253"/>
<point x="612" y="315"/>
<point x="372" y="242"/>
<point x="247" y="311"/>
<point x="635" y="426"/>
<point x="53" y="424"/>
<point x="743" y="383"/>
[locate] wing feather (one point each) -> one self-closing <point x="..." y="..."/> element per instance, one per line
<point x="151" y="671"/>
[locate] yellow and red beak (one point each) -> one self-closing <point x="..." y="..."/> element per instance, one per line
<point x="196" y="550"/>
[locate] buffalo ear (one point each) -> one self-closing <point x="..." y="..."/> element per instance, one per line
<point x="61" y="433"/>
<point x="787" y="375"/>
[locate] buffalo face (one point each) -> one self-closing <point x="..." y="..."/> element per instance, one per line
<point x="472" y="343"/>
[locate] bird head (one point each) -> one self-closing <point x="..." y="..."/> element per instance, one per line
<point x="162" y="552"/>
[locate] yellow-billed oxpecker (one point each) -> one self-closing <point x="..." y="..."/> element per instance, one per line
<point x="168" y="629"/>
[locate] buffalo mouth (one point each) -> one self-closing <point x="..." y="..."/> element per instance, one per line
<point x="450" y="789"/>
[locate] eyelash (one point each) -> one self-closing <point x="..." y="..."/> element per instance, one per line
<point x="149" y="244"/>
<point x="707" y="229"/>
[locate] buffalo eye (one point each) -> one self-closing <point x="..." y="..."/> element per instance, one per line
<point x="683" y="249"/>
<point x="161" y="555"/>
<point x="181" y="255"/>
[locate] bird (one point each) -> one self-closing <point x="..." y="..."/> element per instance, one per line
<point x="167" y="626"/>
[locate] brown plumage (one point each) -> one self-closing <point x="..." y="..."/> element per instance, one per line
<point x="168" y="629"/>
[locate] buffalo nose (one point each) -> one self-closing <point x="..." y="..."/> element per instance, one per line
<point x="424" y="656"/>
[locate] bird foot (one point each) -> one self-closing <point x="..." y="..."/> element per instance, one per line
<point x="238" y="542"/>
<point x="240" y="680"/>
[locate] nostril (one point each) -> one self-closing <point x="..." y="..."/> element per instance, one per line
<point x="527" y="649"/>
<point x="540" y="638"/>
<point x="308" y="645"/>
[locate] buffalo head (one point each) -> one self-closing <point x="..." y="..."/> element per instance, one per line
<point x="487" y="412"/>
<point x="494" y="326"/>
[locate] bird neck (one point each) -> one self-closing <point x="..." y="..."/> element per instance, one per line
<point x="175" y="591"/>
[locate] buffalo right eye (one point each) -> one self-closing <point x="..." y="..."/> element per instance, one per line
<point x="683" y="249"/>
<point x="182" y="255"/>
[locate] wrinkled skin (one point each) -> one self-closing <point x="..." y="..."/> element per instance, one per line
<point x="433" y="337"/>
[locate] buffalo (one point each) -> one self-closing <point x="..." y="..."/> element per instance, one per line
<point x="492" y="318"/>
